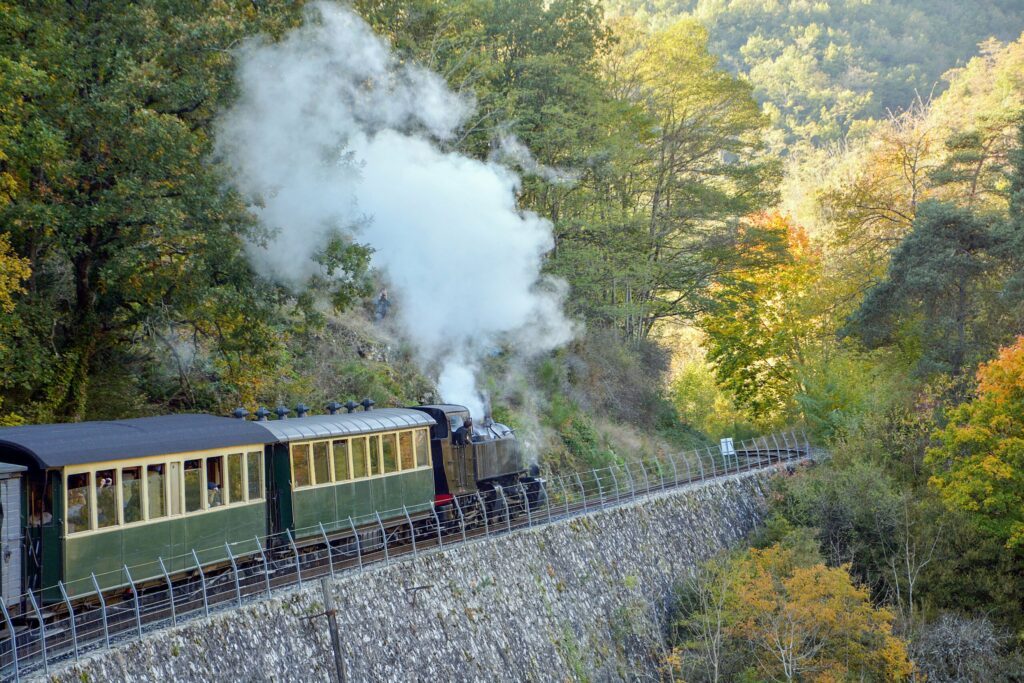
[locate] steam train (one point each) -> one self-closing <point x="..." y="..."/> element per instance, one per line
<point x="86" y="499"/>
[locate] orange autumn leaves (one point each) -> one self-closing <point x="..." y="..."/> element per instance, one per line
<point x="979" y="462"/>
<point x="790" y="617"/>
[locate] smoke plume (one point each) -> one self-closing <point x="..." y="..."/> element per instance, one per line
<point x="332" y="133"/>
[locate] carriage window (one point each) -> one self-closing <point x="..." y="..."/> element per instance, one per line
<point x="193" y="485"/>
<point x="215" y="481"/>
<point x="157" y="492"/>
<point x="106" y="499"/>
<point x="255" y="464"/>
<point x="341" y="472"/>
<point x="322" y="462"/>
<point x="359" y="458"/>
<point x="78" y="502"/>
<point x="131" y="494"/>
<point x="374" y="454"/>
<point x="390" y="453"/>
<point x="236" y="493"/>
<point x="405" y="448"/>
<point x="422" y="448"/>
<point x="300" y="465"/>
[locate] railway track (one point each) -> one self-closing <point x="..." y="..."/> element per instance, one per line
<point x="51" y="636"/>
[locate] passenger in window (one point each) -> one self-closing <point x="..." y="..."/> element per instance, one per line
<point x="464" y="434"/>
<point x="78" y="502"/>
<point x="106" y="499"/>
<point x="39" y="516"/>
<point x="213" y="495"/>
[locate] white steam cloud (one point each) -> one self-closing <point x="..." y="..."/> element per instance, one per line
<point x="331" y="132"/>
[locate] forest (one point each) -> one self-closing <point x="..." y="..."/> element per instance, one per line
<point x="762" y="213"/>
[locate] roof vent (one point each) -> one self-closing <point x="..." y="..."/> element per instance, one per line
<point x="367" y="403"/>
<point x="240" y="413"/>
<point x="301" y="410"/>
<point x="262" y="414"/>
<point x="351" y="406"/>
<point x="333" y="407"/>
<point x="282" y="412"/>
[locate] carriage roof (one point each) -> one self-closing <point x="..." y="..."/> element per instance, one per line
<point x="345" y="424"/>
<point x="77" y="443"/>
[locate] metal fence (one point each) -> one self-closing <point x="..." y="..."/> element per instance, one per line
<point x="86" y="617"/>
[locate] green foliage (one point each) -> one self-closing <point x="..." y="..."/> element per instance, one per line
<point x="979" y="462"/>
<point x="108" y="194"/>
<point x="820" y="66"/>
<point x="936" y="290"/>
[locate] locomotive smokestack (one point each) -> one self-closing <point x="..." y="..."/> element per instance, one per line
<point x="262" y="414"/>
<point x="240" y="413"/>
<point x="301" y="410"/>
<point x="333" y="407"/>
<point x="350" y="406"/>
<point x="367" y="403"/>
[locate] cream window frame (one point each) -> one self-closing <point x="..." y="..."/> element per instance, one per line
<point x="245" y="475"/>
<point x="348" y="457"/>
<point x="120" y="496"/>
<point x="120" y="465"/>
<point x="351" y="439"/>
<point x="312" y="463"/>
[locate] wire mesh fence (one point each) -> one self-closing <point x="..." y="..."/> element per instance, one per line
<point x="50" y="627"/>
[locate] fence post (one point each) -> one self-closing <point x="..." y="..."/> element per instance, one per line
<point x="234" y="570"/>
<point x="14" y="639"/>
<point x="266" y="565"/>
<point x="675" y="471"/>
<point x="135" y="596"/>
<point x="504" y="504"/>
<point x="170" y="591"/>
<point x="776" y="442"/>
<point x="565" y="492"/>
<point x="42" y="629"/>
<point x="103" y="611"/>
<point x="686" y="461"/>
<point x="462" y="520"/>
<point x="615" y="480"/>
<point x="202" y="581"/>
<point x="547" y="496"/>
<point x="330" y="555"/>
<point x="711" y="457"/>
<point x="71" y="617"/>
<point x="383" y="538"/>
<point x="632" y="483"/>
<point x="600" y="491"/>
<point x="647" y="479"/>
<point x="412" y="531"/>
<point x="359" y="546"/>
<point x="295" y="551"/>
<point x="483" y="510"/>
<point x="696" y="453"/>
<point x="786" y="442"/>
<point x="582" y="490"/>
<point x="526" y="504"/>
<point x="437" y="521"/>
<point x="807" y="442"/>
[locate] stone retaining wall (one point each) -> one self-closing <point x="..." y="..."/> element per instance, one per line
<point x="577" y="599"/>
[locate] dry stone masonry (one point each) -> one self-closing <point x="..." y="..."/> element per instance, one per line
<point x="577" y="599"/>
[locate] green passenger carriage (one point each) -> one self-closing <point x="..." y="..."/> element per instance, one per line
<point x="326" y="469"/>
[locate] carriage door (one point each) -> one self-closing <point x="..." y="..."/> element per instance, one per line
<point x="11" y="541"/>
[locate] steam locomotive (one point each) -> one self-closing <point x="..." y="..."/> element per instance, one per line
<point x="158" y="494"/>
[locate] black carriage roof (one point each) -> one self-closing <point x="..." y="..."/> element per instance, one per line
<point x="78" y="443"/>
<point x="447" y="408"/>
<point x="345" y="424"/>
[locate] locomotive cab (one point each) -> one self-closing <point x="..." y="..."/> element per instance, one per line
<point x="492" y="458"/>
